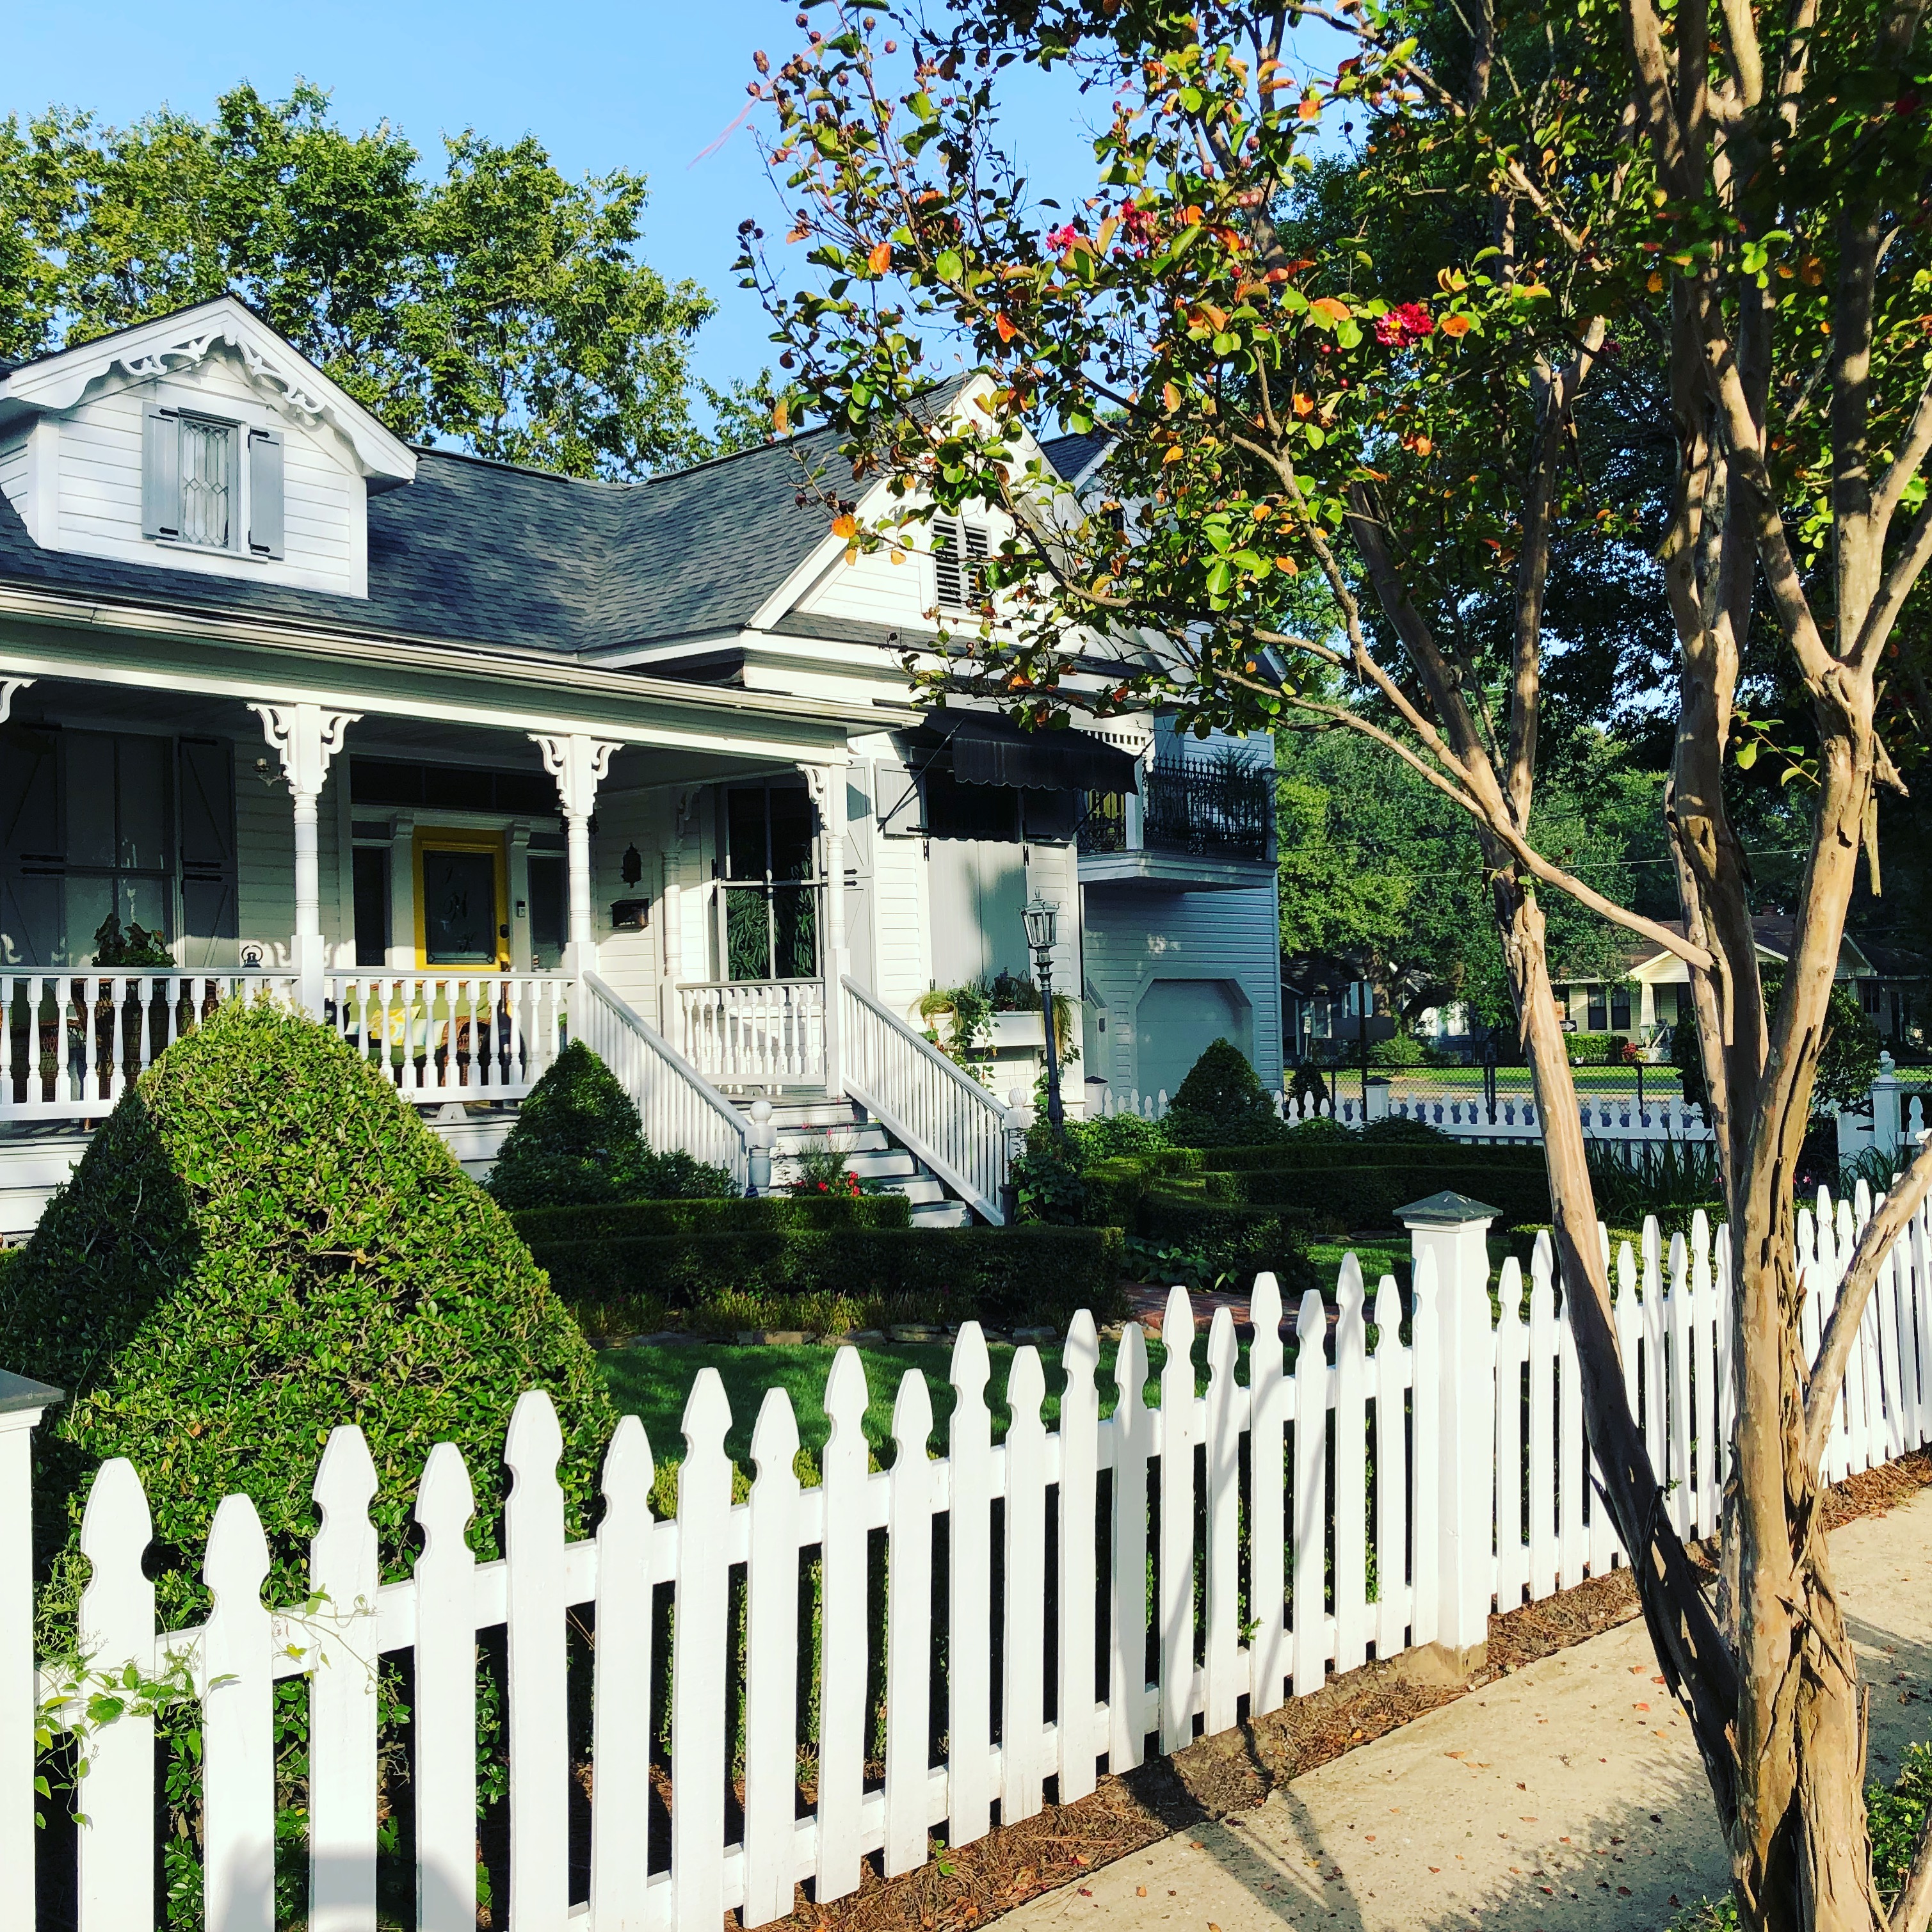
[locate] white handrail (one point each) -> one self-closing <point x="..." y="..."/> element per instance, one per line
<point x="678" y="1107"/>
<point x="944" y="1116"/>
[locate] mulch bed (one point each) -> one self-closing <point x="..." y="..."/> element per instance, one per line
<point x="1235" y="1770"/>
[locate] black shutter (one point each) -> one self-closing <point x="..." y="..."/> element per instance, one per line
<point x="160" y="472"/>
<point x="265" y="492"/>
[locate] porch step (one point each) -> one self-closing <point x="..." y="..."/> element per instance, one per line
<point x="813" y="1124"/>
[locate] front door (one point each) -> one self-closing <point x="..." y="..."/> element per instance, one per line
<point x="460" y="903"/>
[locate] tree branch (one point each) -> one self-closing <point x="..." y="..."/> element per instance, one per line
<point x="1835" y="1348"/>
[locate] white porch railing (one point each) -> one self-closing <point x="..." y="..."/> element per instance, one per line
<point x="944" y="1115"/>
<point x="479" y="1036"/>
<point x="744" y="1034"/>
<point x="678" y="1107"/>
<point x="1469" y="1495"/>
<point x="71" y="1042"/>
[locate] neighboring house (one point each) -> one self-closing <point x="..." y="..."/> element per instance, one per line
<point x="1654" y="994"/>
<point x="467" y="756"/>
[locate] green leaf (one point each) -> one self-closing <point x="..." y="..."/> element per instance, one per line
<point x="948" y="267"/>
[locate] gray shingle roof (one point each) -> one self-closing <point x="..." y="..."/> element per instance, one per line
<point x="485" y="552"/>
<point x="1072" y="455"/>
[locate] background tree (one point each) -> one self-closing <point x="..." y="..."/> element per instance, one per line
<point x="1736" y="204"/>
<point x="499" y="307"/>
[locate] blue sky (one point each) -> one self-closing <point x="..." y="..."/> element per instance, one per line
<point x="648" y="85"/>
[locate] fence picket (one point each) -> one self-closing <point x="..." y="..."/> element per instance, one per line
<point x="842" y="1663"/>
<point x="1512" y="1551"/>
<point x="1311" y="1494"/>
<point x="703" y="1604"/>
<point x="969" y="1593"/>
<point x="1572" y="1534"/>
<point x="1132" y="1427"/>
<point x="1023" y="1713"/>
<point x="444" y="1787"/>
<point x="908" y="1650"/>
<point x="539" y="1735"/>
<point x="1704" y="1375"/>
<point x="1351" y="1500"/>
<point x="771" y="1667"/>
<point x="1543" y="1555"/>
<point x="1391" y="1473"/>
<point x="1677" y="1324"/>
<point x="343" y="1574"/>
<point x="1176" y="1570"/>
<point x="1227" y="1405"/>
<point x="238" y="1766"/>
<point x="1079" y="1743"/>
<point x="117" y="1629"/>
<point x="621" y="1693"/>
<point x="1268" y="1398"/>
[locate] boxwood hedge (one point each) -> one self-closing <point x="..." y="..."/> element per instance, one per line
<point x="627" y="1219"/>
<point x="1001" y="1275"/>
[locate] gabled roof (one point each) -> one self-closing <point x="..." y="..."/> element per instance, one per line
<point x="1076" y="458"/>
<point x="486" y="552"/>
<point x="182" y="339"/>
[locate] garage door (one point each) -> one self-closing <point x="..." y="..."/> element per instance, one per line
<point x="1179" y="1020"/>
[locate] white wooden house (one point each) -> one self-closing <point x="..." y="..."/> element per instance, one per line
<point x="469" y="758"/>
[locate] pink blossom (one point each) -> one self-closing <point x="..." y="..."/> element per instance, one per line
<point x="1061" y="238"/>
<point x="1408" y="323"/>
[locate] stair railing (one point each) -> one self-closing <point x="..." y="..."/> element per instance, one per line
<point x="678" y="1107"/>
<point x="941" y="1115"/>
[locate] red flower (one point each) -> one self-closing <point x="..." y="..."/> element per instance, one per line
<point x="1409" y="322"/>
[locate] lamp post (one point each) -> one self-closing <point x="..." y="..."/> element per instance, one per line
<point x="1042" y="917"/>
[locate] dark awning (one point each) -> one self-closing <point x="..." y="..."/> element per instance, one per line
<point x="990" y="750"/>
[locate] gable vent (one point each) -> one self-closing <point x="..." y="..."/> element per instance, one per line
<point x="959" y="577"/>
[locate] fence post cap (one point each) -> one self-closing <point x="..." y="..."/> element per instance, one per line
<point x="1446" y="1210"/>
<point x="18" y="1392"/>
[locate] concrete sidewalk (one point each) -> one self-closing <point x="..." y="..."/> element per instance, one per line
<point x="1569" y="1795"/>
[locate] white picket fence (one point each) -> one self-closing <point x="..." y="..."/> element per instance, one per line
<point x="1459" y="1461"/>
<point x="1620" y="1120"/>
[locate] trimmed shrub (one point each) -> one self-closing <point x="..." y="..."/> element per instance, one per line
<point x="1224" y="1236"/>
<point x="1335" y="1200"/>
<point x="1222" y="1103"/>
<point x="1291" y="1152"/>
<point x="1003" y="1275"/>
<point x="577" y="1142"/>
<point x="1399" y="1130"/>
<point x="628" y="1219"/>
<point x="263" y="1240"/>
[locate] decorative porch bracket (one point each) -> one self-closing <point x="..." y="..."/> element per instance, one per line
<point x="826" y="783"/>
<point x="11" y="687"/>
<point x="305" y="737"/>
<point x="579" y="764"/>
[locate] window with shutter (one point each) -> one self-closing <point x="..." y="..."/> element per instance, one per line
<point x="959" y="575"/>
<point x="265" y="492"/>
<point x="161" y="473"/>
<point x="208" y="482"/>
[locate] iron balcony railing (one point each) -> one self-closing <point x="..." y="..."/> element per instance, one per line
<point x="1220" y="808"/>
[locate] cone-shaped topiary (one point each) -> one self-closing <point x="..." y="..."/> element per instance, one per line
<point x="263" y="1241"/>
<point x="1222" y="1103"/>
<point x="577" y="1143"/>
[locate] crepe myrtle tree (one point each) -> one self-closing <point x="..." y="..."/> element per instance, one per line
<point x="1708" y="223"/>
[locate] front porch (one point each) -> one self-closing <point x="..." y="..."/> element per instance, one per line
<point x="456" y="901"/>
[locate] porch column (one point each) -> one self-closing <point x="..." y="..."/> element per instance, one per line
<point x="305" y="737"/>
<point x="579" y="764"/>
<point x="401" y="957"/>
<point x="827" y="783"/>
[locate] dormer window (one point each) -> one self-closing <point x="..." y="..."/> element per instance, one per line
<point x="959" y="572"/>
<point x="204" y="482"/>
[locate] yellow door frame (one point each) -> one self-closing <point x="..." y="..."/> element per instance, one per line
<point x="431" y="838"/>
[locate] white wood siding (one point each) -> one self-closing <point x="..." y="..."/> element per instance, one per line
<point x="632" y="962"/>
<point x="13" y="470"/>
<point x="99" y="489"/>
<point x="874" y="589"/>
<point x="1134" y="938"/>
<point x="264" y="850"/>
